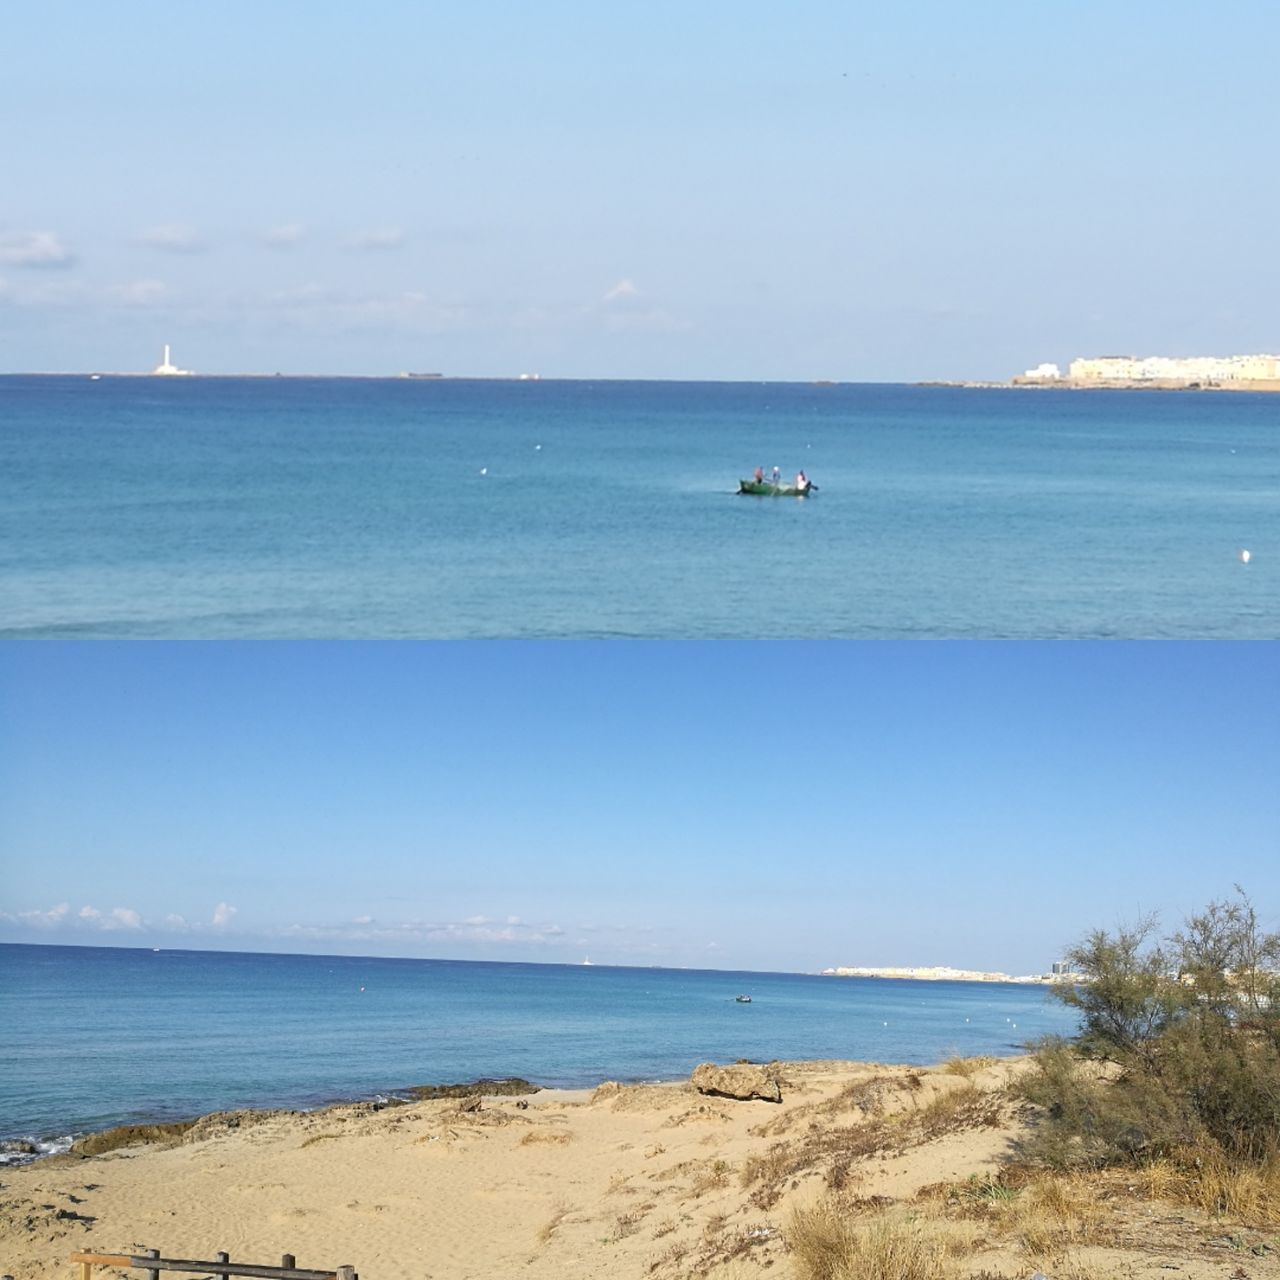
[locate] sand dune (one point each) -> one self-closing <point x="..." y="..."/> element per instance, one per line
<point x="631" y="1180"/>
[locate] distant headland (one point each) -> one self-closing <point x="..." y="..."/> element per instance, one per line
<point x="945" y="973"/>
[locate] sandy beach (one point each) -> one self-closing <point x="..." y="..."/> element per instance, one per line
<point x="624" y="1180"/>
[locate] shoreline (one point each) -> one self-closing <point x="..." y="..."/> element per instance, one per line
<point x="80" y="1144"/>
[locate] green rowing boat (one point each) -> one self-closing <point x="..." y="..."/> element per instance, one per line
<point x="763" y="488"/>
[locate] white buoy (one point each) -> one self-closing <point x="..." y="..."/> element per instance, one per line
<point x="1245" y="556"/>
<point x="537" y="446"/>
<point x="484" y="471"/>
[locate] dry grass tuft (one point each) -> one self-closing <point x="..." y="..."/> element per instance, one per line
<point x="551" y="1137"/>
<point x="967" y="1066"/>
<point x="826" y="1244"/>
<point x="710" y="1177"/>
<point x="1053" y="1215"/>
<point x="626" y="1224"/>
<point x="1242" y="1190"/>
<point x="320" y="1137"/>
<point x="967" y="1107"/>
<point x="552" y="1225"/>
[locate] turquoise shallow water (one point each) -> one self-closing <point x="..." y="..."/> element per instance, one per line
<point x="346" y="508"/>
<point x="98" y="1036"/>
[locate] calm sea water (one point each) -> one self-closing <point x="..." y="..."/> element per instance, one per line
<point x="96" y="1036"/>
<point x="343" y="508"/>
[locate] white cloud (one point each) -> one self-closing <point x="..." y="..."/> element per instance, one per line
<point x="379" y="238"/>
<point x="123" y="918"/>
<point x="141" y="293"/>
<point x="626" y="309"/>
<point x="623" y="289"/>
<point x="362" y="920"/>
<point x="223" y="915"/>
<point x="176" y="922"/>
<point x="34" y="249"/>
<point x="90" y="913"/>
<point x="283" y="237"/>
<point x="50" y="919"/>
<point x="173" y="238"/>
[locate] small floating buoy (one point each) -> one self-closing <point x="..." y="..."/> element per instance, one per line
<point x="537" y="446"/>
<point x="1245" y="556"/>
<point x="361" y="988"/>
<point x="484" y="471"/>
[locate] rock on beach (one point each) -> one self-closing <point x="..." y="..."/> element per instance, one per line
<point x="743" y="1082"/>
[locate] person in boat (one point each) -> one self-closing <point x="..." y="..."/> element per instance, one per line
<point x="802" y="481"/>
<point x="759" y="477"/>
<point x="776" y="475"/>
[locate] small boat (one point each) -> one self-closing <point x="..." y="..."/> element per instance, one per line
<point x="767" y="489"/>
<point x="743" y="999"/>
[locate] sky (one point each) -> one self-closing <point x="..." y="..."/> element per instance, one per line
<point x="872" y="192"/>
<point x="736" y="806"/>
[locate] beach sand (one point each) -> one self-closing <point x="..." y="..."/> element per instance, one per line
<point x="622" y="1181"/>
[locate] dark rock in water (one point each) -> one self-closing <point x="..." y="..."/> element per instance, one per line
<point x="509" y="1086"/>
<point x="18" y="1147"/>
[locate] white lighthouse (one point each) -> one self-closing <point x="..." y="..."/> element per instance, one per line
<point x="167" y="369"/>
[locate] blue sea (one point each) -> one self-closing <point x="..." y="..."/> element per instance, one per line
<point x="98" y="1036"/>
<point x="336" y="508"/>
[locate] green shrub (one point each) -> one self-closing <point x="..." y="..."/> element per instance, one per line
<point x="1178" y="1050"/>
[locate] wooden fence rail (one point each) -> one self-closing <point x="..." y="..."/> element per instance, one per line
<point x="153" y="1264"/>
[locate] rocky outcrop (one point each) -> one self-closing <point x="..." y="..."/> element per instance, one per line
<point x="505" y="1087"/>
<point x="745" y="1083"/>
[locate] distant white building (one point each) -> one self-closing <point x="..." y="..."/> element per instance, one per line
<point x="167" y="369"/>
<point x="1044" y="373"/>
<point x="1203" y="369"/>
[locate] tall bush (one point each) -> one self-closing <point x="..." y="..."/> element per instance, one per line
<point x="1178" y="1048"/>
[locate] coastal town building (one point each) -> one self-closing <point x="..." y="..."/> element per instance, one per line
<point x="1191" y="368"/>
<point x="1260" y="372"/>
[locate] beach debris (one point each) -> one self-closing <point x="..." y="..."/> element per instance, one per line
<point x="470" y="1104"/>
<point x="742" y="1083"/>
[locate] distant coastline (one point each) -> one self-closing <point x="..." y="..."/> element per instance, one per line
<point x="945" y="973"/>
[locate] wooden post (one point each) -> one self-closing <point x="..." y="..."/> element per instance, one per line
<point x="222" y="1257"/>
<point x="289" y="1261"/>
<point x="86" y="1271"/>
<point x="153" y="1273"/>
<point x="347" y="1273"/>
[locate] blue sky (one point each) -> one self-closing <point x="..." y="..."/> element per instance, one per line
<point x="768" y="806"/>
<point x="747" y="190"/>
